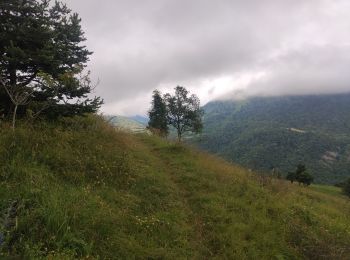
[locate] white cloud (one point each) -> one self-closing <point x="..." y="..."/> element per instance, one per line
<point x="218" y="48"/>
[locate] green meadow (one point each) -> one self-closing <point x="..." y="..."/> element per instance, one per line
<point x="79" y="189"/>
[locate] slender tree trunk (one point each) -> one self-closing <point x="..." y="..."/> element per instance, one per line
<point x="178" y="136"/>
<point x="14" y="117"/>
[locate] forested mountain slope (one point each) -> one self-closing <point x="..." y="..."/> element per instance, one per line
<point x="279" y="132"/>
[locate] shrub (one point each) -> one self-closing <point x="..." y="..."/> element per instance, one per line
<point x="346" y="188"/>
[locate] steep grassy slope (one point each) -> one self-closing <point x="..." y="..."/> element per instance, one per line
<point x="79" y="189"/>
<point x="280" y="132"/>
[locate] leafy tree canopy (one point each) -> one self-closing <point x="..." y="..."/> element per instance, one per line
<point x="184" y="112"/>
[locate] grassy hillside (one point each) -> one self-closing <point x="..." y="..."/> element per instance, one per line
<point x="280" y="132"/>
<point x="80" y="189"/>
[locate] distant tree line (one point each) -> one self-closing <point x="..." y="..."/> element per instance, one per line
<point x="42" y="61"/>
<point x="180" y="111"/>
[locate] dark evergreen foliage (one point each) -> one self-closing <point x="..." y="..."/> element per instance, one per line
<point x="158" y="115"/>
<point x="300" y="175"/>
<point x="291" y="176"/>
<point x="346" y="187"/>
<point x="42" y="59"/>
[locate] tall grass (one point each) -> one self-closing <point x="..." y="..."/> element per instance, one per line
<point x="87" y="191"/>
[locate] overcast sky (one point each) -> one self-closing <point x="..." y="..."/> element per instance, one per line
<point x="215" y="48"/>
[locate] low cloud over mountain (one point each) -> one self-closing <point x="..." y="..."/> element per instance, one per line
<point x="215" y="48"/>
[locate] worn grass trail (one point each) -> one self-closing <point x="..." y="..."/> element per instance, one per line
<point x="215" y="197"/>
<point x="239" y="215"/>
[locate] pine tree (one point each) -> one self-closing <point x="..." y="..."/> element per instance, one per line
<point x="42" y="60"/>
<point x="158" y="115"/>
<point x="184" y="112"/>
